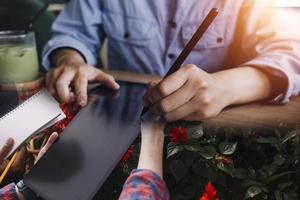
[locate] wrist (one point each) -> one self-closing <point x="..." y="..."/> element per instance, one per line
<point x="66" y="57"/>
<point x="226" y="87"/>
<point x="244" y="84"/>
<point x="19" y="194"/>
<point x="25" y="193"/>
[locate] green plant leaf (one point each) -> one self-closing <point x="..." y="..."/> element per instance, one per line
<point x="227" y="148"/>
<point x="275" y="177"/>
<point x="193" y="147"/>
<point x="278" y="195"/>
<point x="290" y="195"/>
<point x="290" y="136"/>
<point x="239" y="173"/>
<point x="283" y="186"/>
<point x="195" y="131"/>
<point x="248" y="182"/>
<point x="279" y="160"/>
<point x="173" y="149"/>
<point x="267" y="140"/>
<point x="225" y="168"/>
<point x="178" y="169"/>
<point x="252" y="172"/>
<point x="208" y="152"/>
<point x="253" y="191"/>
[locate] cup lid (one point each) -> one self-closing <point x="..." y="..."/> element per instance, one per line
<point x="14" y="34"/>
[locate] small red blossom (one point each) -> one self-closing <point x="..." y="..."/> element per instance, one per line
<point x="70" y="111"/>
<point x="178" y="135"/>
<point x="226" y="161"/>
<point x="204" y="197"/>
<point x="127" y="155"/>
<point x="210" y="193"/>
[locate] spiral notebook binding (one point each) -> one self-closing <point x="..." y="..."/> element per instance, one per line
<point x="22" y="105"/>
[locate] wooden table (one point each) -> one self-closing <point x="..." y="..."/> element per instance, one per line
<point x="255" y="115"/>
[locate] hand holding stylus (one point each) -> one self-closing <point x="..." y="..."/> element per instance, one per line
<point x="190" y="93"/>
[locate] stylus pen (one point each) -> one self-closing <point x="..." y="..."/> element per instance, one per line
<point x="190" y="46"/>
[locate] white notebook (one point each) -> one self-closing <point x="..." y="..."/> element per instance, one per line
<point x="32" y="116"/>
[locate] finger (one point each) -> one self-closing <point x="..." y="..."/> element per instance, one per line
<point x="194" y="117"/>
<point x="81" y="84"/>
<point x="51" y="140"/>
<point x="72" y="96"/>
<point x="49" y="143"/>
<point x="183" y="111"/>
<point x="174" y="100"/>
<point x="63" y="83"/>
<point x="104" y="78"/>
<point x="20" y="160"/>
<point x="167" y="86"/>
<point x="150" y="85"/>
<point x="6" y="149"/>
<point x="52" y="77"/>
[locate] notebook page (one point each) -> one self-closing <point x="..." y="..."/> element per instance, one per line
<point x="29" y="117"/>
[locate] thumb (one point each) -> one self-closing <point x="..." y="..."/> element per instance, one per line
<point x="6" y="149"/>
<point x="49" y="143"/>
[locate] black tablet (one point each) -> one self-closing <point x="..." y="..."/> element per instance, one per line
<point x="79" y="162"/>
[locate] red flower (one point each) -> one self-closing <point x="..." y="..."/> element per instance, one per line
<point x="210" y="193"/>
<point x="70" y="110"/>
<point x="127" y="155"/>
<point x="178" y="135"/>
<point x="226" y="161"/>
<point x="204" y="197"/>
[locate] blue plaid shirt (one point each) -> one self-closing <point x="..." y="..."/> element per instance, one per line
<point x="9" y="192"/>
<point x="145" y="36"/>
<point x="146" y="185"/>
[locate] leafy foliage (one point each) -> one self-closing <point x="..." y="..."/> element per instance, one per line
<point x="241" y="164"/>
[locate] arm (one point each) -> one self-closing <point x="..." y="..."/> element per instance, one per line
<point x="146" y="182"/>
<point x="79" y="27"/>
<point x="13" y="192"/>
<point x="272" y="54"/>
<point x="73" y="51"/>
<point x="9" y="192"/>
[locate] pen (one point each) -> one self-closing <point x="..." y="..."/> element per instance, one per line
<point x="8" y="167"/>
<point x="190" y="46"/>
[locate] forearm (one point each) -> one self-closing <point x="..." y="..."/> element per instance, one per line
<point x="245" y="84"/>
<point x="19" y="194"/>
<point x="151" y="155"/>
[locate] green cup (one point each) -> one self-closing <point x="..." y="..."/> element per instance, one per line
<point x="18" y="57"/>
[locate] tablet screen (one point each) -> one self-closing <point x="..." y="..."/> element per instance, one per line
<point x="79" y="162"/>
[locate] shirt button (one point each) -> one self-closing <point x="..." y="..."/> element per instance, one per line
<point x="171" y="56"/>
<point x="126" y="35"/>
<point x="172" y="24"/>
<point x="219" y="40"/>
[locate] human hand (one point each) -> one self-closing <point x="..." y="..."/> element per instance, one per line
<point x="190" y="93"/>
<point x="6" y="149"/>
<point x="70" y="68"/>
<point x="49" y="143"/>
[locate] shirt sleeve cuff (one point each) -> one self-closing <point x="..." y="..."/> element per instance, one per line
<point x="67" y="42"/>
<point x="9" y="192"/>
<point x="142" y="180"/>
<point x="277" y="72"/>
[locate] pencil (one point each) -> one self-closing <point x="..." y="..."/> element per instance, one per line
<point x="190" y="46"/>
<point x="8" y="167"/>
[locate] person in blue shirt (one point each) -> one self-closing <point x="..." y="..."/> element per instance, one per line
<point x="251" y="52"/>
